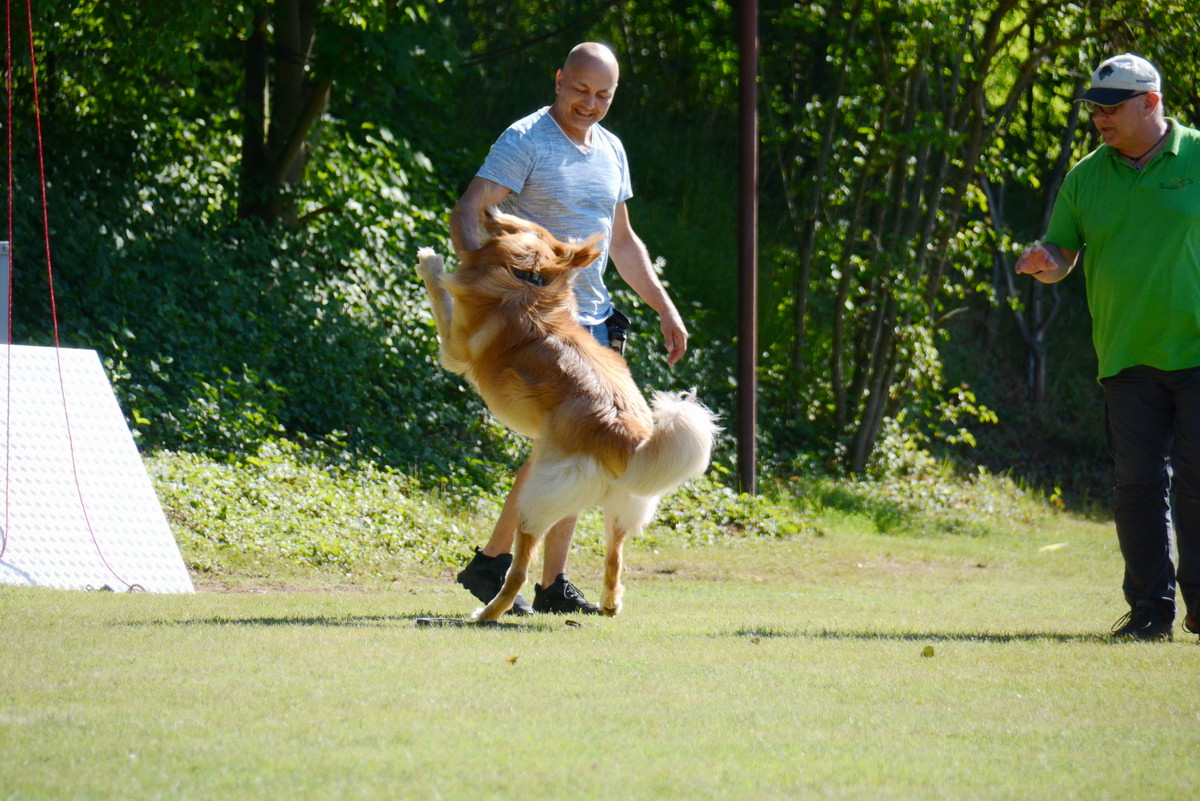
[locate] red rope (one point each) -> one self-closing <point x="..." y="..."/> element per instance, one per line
<point x="37" y="116"/>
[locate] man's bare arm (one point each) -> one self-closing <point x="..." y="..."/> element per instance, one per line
<point x="632" y="261"/>
<point x="465" y="231"/>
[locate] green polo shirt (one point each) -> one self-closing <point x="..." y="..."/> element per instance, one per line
<point x="1142" y="264"/>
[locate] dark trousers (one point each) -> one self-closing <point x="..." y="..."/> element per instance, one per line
<point x="1154" y="438"/>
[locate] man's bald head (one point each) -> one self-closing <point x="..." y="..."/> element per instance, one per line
<point x="591" y="55"/>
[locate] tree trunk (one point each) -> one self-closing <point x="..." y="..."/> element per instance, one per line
<point x="279" y="115"/>
<point x="255" y="159"/>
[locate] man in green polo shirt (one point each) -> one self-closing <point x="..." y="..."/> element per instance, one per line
<point x="1135" y="203"/>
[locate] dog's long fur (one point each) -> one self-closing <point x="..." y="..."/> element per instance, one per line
<point x="595" y="440"/>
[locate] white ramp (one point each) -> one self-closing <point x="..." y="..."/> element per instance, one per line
<point x="91" y="520"/>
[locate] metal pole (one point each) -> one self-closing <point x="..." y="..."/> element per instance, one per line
<point x="747" y="423"/>
<point x="5" y="282"/>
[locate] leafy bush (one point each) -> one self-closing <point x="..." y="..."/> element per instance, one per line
<point x="281" y="510"/>
<point x="704" y="511"/>
<point x="310" y="508"/>
<point x="220" y="334"/>
<point x="931" y="499"/>
<point x="305" y="510"/>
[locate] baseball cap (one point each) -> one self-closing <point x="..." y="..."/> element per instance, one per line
<point x="1119" y="78"/>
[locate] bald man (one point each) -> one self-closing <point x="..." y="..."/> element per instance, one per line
<point x="560" y="168"/>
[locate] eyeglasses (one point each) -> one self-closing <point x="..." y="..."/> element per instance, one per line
<point x="1107" y="111"/>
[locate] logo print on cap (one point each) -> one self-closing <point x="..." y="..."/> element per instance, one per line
<point x="1105" y="71"/>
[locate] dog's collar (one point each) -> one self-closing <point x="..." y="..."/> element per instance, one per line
<point x="530" y="277"/>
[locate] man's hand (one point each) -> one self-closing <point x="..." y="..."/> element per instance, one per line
<point x="1036" y="260"/>
<point x="1046" y="262"/>
<point x="675" y="336"/>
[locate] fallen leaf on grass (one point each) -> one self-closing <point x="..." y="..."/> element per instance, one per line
<point x="1053" y="547"/>
<point x="512" y="660"/>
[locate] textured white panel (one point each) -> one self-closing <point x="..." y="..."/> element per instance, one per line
<point x="49" y="499"/>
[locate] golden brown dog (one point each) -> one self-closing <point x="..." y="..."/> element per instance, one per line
<point x="506" y="321"/>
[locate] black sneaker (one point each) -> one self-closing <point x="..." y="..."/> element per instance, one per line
<point x="484" y="576"/>
<point x="1143" y="622"/>
<point x="562" y="598"/>
<point x="1191" y="625"/>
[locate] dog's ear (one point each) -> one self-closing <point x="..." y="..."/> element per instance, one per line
<point x="573" y="255"/>
<point x="497" y="223"/>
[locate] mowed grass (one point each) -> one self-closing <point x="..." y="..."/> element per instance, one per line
<point x="751" y="669"/>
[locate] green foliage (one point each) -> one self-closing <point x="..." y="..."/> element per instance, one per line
<point x="928" y="499"/>
<point x="704" y="512"/>
<point x="221" y="334"/>
<point x="309" y="511"/>
<point x="883" y="122"/>
<point x="283" y="510"/>
<point x="218" y="339"/>
<point x="880" y="124"/>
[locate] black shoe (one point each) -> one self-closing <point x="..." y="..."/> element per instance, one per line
<point x="562" y="598"/>
<point x="1143" y="622"/>
<point x="1191" y="625"/>
<point x="484" y="576"/>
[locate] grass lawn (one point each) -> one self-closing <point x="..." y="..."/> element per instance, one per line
<point x="849" y="664"/>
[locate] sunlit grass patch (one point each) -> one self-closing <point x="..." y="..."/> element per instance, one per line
<point x="853" y="665"/>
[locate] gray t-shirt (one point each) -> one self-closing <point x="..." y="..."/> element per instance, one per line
<point x="572" y="191"/>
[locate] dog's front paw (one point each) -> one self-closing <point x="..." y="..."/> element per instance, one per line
<point x="429" y="264"/>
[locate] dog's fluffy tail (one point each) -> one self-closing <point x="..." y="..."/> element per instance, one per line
<point x="678" y="449"/>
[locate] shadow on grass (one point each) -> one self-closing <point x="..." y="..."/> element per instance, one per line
<point x="355" y="621"/>
<point x="926" y="637"/>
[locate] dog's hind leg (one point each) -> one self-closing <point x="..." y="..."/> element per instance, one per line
<point x="610" y="599"/>
<point x="514" y="580"/>
<point x="623" y="517"/>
